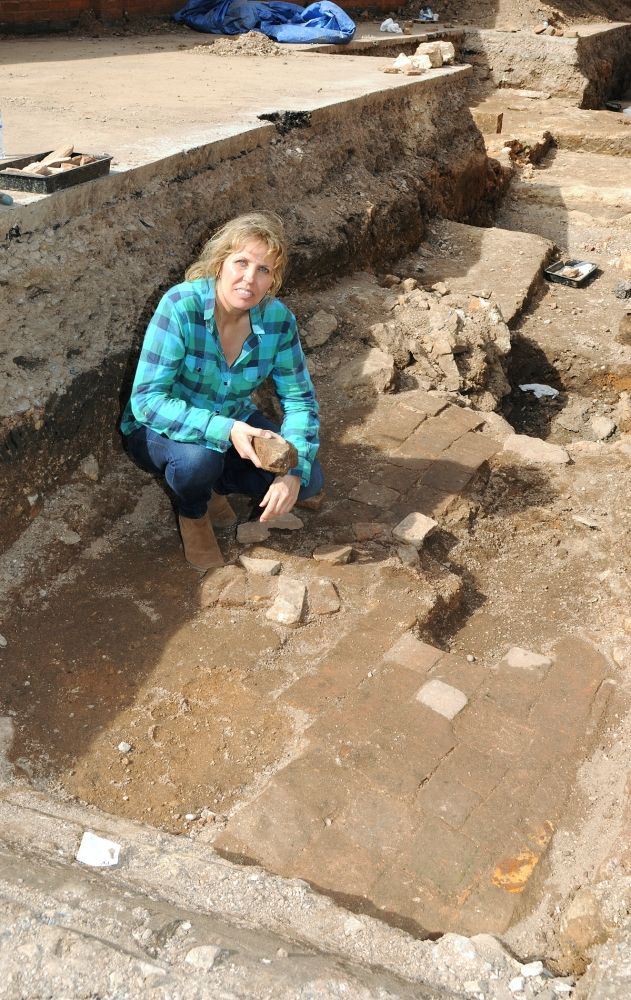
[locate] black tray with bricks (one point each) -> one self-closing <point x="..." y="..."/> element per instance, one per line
<point x="37" y="184"/>
<point x="570" y="272"/>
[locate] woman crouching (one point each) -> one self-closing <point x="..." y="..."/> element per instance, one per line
<point x="190" y="418"/>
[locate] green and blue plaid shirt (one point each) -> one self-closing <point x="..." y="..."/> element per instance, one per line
<point x="185" y="390"/>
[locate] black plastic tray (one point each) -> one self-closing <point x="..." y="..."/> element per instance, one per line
<point x="55" y="182"/>
<point x="588" y="268"/>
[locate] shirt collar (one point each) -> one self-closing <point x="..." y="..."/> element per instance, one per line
<point x="256" y="312"/>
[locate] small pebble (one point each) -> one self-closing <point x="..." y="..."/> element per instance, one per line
<point x="3" y="641"/>
<point x="470" y="658"/>
<point x="281" y="953"/>
<point x="124" y="747"/>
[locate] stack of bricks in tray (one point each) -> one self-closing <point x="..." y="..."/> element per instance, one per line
<point x="61" y="159"/>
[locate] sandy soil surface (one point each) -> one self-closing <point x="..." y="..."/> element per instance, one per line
<point x="61" y="89"/>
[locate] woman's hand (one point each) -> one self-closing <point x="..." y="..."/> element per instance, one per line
<point x="280" y="497"/>
<point x="241" y="436"/>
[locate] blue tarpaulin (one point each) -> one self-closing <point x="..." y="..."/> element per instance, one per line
<point x="286" y="22"/>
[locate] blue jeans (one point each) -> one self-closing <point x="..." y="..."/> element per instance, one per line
<point x="193" y="471"/>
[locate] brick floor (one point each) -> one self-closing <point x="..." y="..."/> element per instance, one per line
<point x="435" y="824"/>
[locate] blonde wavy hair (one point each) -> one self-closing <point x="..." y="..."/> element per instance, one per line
<point x="265" y="226"/>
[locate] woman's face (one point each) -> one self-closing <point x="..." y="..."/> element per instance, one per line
<point x="246" y="276"/>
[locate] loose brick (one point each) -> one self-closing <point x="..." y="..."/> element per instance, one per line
<point x="275" y="454"/>
<point x="334" y="554"/>
<point x="289" y="604"/>
<point x="260" y="567"/>
<point x="251" y="532"/>
<point x="414" y="529"/>
<point x="323" y="597"/>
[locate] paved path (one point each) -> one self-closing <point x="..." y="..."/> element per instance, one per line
<point x="428" y="787"/>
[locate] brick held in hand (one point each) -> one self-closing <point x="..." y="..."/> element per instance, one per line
<point x="275" y="454"/>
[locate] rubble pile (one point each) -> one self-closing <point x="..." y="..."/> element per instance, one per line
<point x="458" y="344"/>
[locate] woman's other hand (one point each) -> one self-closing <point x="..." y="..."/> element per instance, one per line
<point x="280" y="497"/>
<point x="241" y="436"/>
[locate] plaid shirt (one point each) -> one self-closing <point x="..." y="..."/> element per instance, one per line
<point x="185" y="390"/>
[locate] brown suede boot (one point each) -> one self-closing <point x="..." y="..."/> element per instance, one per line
<point x="200" y="545"/>
<point x="220" y="512"/>
<point x="312" y="503"/>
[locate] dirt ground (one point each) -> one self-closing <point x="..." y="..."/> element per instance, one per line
<point x="106" y="643"/>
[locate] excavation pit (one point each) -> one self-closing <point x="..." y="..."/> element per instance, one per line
<point x="316" y="753"/>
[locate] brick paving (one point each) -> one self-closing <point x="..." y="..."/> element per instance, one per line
<point x="431" y="811"/>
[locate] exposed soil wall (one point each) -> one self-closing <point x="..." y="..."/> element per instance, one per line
<point x="589" y="69"/>
<point x="82" y="277"/>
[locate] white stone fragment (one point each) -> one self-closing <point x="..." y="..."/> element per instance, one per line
<point x="532" y="969"/>
<point x="3" y="642"/>
<point x="534" y="451"/>
<point x="98" y="852"/>
<point x="517" y="984"/>
<point x="432" y="50"/>
<point x="448" y="52"/>
<point x="525" y="659"/>
<point x="124" y="747"/>
<point x="442" y="698"/>
<point x="203" y="957"/>
<point x="260" y="567"/>
<point x="602" y="428"/>
<point x="414" y="529"/>
<point x="289" y="604"/>
<point x="353" y="925"/>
